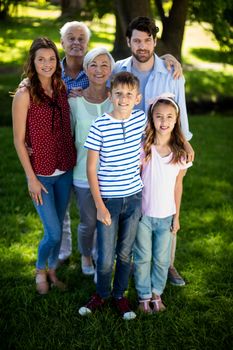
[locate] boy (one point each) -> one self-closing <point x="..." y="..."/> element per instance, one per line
<point x="114" y="140"/>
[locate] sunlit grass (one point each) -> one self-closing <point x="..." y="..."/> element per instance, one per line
<point x="198" y="316"/>
<point x="39" y="9"/>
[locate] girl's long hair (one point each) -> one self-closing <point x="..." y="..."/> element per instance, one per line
<point x="177" y="139"/>
<point x="35" y="87"/>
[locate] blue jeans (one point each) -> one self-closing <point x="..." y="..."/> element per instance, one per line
<point x="117" y="240"/>
<point x="152" y="252"/>
<point x="87" y="225"/>
<point x="52" y="213"/>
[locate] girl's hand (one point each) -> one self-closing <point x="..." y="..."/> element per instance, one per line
<point x="35" y="188"/>
<point x="104" y="216"/>
<point x="175" y="225"/>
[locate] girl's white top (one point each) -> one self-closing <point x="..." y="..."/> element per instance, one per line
<point x="159" y="179"/>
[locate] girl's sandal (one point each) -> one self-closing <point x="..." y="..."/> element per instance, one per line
<point x="157" y="304"/>
<point x="144" y="306"/>
<point x="54" y="281"/>
<point x="42" y="285"/>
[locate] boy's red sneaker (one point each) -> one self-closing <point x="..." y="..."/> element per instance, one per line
<point x="95" y="303"/>
<point x="122" y="305"/>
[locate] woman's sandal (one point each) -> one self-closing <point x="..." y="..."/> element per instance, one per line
<point x="157" y="304"/>
<point x="54" y="281"/>
<point x="42" y="285"/>
<point x="144" y="306"/>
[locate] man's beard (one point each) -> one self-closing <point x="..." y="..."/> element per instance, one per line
<point x="143" y="57"/>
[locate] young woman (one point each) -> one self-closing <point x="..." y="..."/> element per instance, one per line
<point x="41" y="119"/>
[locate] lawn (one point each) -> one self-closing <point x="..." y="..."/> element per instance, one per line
<point x="198" y="316"/>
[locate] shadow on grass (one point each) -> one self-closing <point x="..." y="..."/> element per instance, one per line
<point x="211" y="55"/>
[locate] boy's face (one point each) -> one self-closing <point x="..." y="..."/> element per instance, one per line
<point x="124" y="98"/>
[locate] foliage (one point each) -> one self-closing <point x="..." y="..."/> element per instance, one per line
<point x="5" y="7"/>
<point x="220" y="14"/>
<point x="198" y="316"/>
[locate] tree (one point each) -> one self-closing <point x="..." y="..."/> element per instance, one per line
<point x="125" y="11"/>
<point x="5" y="7"/>
<point x="173" y="24"/>
<point x="220" y="14"/>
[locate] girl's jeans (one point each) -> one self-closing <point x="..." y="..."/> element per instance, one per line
<point x="52" y="213"/>
<point x="117" y="239"/>
<point x="152" y="251"/>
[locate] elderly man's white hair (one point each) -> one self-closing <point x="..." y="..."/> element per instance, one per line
<point x="92" y="54"/>
<point x="77" y="24"/>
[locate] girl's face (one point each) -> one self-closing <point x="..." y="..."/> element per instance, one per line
<point x="45" y="63"/>
<point x="164" y="118"/>
<point x="99" y="70"/>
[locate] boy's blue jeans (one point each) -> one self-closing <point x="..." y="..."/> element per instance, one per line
<point x="52" y="213"/>
<point x="117" y="240"/>
<point x="152" y="252"/>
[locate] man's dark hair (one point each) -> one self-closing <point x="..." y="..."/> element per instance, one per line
<point x="144" y="24"/>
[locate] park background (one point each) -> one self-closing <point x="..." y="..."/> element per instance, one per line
<point x="198" y="316"/>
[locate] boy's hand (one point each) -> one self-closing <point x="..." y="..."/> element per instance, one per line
<point x="175" y="225"/>
<point x="104" y="216"/>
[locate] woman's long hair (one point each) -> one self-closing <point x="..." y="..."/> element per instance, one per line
<point x="177" y="139"/>
<point x="36" y="89"/>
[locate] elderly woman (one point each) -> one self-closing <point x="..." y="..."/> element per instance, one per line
<point x="98" y="65"/>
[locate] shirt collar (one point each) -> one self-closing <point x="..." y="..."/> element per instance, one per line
<point x="159" y="65"/>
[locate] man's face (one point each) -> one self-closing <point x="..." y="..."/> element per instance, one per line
<point x="75" y="42"/>
<point x="142" y="45"/>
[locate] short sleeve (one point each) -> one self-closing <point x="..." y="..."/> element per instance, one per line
<point x="94" y="138"/>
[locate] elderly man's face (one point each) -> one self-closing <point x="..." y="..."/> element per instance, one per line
<point x="75" y="42"/>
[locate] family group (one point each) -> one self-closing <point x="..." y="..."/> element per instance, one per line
<point x="116" y="134"/>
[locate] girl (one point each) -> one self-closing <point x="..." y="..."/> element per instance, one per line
<point x="163" y="168"/>
<point x="41" y="120"/>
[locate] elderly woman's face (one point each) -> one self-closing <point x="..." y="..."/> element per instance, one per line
<point x="99" y="70"/>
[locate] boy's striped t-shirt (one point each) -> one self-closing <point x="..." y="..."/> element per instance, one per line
<point x="118" y="143"/>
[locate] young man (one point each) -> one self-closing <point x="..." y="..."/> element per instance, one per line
<point x="114" y="141"/>
<point x="155" y="79"/>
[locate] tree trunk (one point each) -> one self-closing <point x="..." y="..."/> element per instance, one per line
<point x="125" y="11"/>
<point x="173" y="28"/>
<point x="72" y="8"/>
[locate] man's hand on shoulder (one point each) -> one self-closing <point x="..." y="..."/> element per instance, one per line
<point x="172" y="62"/>
<point x="76" y="92"/>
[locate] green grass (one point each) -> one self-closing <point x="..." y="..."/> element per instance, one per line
<point x="198" y="316"/>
